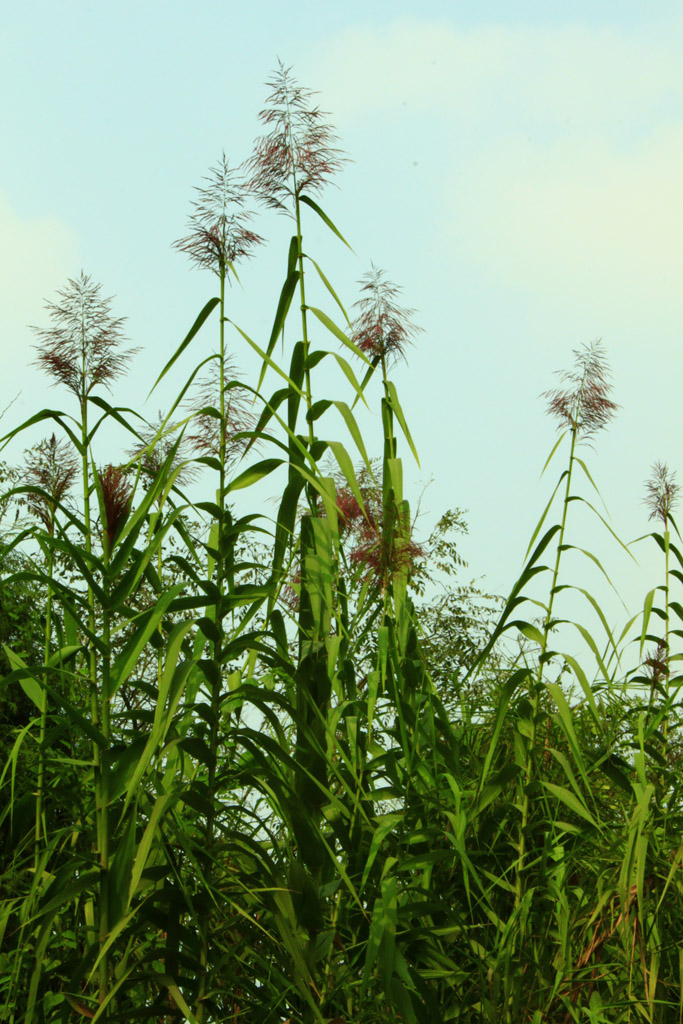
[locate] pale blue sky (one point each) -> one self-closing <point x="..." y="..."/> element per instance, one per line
<point x="517" y="169"/>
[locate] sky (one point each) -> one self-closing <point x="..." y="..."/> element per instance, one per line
<point x="516" y="169"/>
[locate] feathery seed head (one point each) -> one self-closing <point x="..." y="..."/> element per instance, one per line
<point x="299" y="152"/>
<point x="383" y="329"/>
<point x="205" y="431"/>
<point x="657" y="663"/>
<point x="219" y="224"/>
<point x="51" y="467"/>
<point x="661" y="492"/>
<point x="583" y="404"/>
<point x="81" y="349"/>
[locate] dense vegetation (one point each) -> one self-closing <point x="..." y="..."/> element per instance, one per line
<point x="291" y="770"/>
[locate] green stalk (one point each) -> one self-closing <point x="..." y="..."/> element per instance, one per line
<point x="539" y="678"/>
<point x="667" y="541"/>
<point x="105" y="729"/>
<point x="99" y="709"/>
<point x="304" y="319"/>
<point x="216" y="688"/>
<point x="85" y="471"/>
<point x="160" y="656"/>
<point x="43" y="713"/>
<point x="300" y="260"/>
<point x="100" y="816"/>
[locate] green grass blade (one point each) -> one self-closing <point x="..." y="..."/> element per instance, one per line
<point x="194" y="330"/>
<point x="323" y="216"/>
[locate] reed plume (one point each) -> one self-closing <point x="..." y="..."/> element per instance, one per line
<point x="82" y="347"/>
<point x="583" y="404"/>
<point x="219" y="224"/>
<point x="116" y="501"/>
<point x="51" y="468"/>
<point x="383" y="329"/>
<point x="298" y="154"/>
<point x="211" y="434"/>
<point x="661" y="493"/>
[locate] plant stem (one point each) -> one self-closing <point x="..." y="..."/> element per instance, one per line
<point x="304" y="318"/>
<point x="39" y="830"/>
<point x="667" y="652"/>
<point x="99" y="709"/>
<point x="547" y="626"/>
<point x="105" y="728"/>
<point x="216" y="682"/>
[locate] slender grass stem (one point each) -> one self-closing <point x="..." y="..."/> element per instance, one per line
<point x="667" y="629"/>
<point x="39" y="835"/>
<point x="536" y="694"/>
<point x="95" y="710"/>
<point x="216" y="682"/>
<point x="304" y="317"/>
<point x="104" y="798"/>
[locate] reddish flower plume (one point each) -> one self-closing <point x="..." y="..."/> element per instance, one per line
<point x="82" y="347"/>
<point x="299" y="153"/>
<point x="584" y="404"/>
<point x="51" y="467"/>
<point x="382" y="330"/>
<point x="116" y="501"/>
<point x="219" y="224"/>
<point x="380" y="554"/>
<point x="661" y="493"/>
<point x="349" y="511"/>
<point x="377" y="548"/>
<point x="657" y="664"/>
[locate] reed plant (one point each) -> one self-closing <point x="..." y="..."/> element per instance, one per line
<point x="264" y="781"/>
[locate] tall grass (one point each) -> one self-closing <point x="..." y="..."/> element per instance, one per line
<point x="242" y="786"/>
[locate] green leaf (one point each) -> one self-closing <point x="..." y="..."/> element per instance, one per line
<point x="518" y="677"/>
<point x="329" y="288"/>
<point x="398" y="412"/>
<point x="127" y="659"/>
<point x="64" y="654"/>
<point x="570" y="800"/>
<point x="555" y="447"/>
<point x="352" y="379"/>
<point x="27" y="681"/>
<point x="161" y="806"/>
<point x="607" y="526"/>
<point x="385" y="825"/>
<point x="173" y="990"/>
<point x="113" y="412"/>
<point x="585" y="685"/>
<point x="337" y="332"/>
<point x="539" y="524"/>
<point x="346" y="466"/>
<point x="44" y="414"/>
<point x="647" y="612"/>
<point x="171" y="686"/>
<point x="323" y="216"/>
<point x="196" y="327"/>
<point x="253" y="474"/>
<point x="267" y="359"/>
<point x="354" y="430"/>
<point x="283" y="305"/>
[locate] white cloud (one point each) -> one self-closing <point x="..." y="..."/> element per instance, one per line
<point x="564" y="75"/>
<point x="579" y="219"/>
<point x="555" y="154"/>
